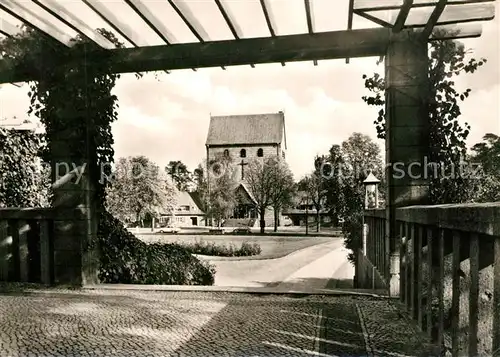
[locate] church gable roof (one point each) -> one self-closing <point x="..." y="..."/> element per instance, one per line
<point x="242" y="189"/>
<point x="246" y="129"/>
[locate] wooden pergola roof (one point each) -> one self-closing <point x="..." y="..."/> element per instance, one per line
<point x="196" y="47"/>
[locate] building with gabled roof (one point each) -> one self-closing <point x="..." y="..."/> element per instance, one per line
<point x="243" y="138"/>
<point x="188" y="211"/>
<point x="248" y="129"/>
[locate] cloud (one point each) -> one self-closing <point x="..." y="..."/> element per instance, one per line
<point x="167" y="118"/>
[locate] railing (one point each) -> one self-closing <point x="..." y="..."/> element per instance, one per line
<point x="26" y="247"/>
<point x="374" y="257"/>
<point x="449" y="272"/>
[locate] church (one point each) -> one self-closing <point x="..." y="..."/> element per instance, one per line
<point x="244" y="138"/>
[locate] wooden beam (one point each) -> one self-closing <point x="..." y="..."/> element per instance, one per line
<point x="151" y="20"/>
<point x="486" y="13"/>
<point x="230" y="23"/>
<point x="110" y="19"/>
<point x="233" y="26"/>
<point x="402" y="16"/>
<point x="269" y="19"/>
<point x="189" y="19"/>
<point x="19" y="12"/>
<point x="372" y="18"/>
<point x="434" y="18"/>
<point x="291" y="48"/>
<point x="310" y="20"/>
<point x="69" y="19"/>
<point x="326" y="45"/>
<point x="309" y="16"/>
<point x="370" y="5"/>
<point x="267" y="15"/>
<point x="350" y="15"/>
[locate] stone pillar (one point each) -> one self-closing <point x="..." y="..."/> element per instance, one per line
<point x="407" y="135"/>
<point x="5" y="250"/>
<point x="75" y="225"/>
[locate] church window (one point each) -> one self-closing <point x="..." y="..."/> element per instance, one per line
<point x="283" y="154"/>
<point x="243" y="153"/>
<point x="226" y="153"/>
<point x="260" y="153"/>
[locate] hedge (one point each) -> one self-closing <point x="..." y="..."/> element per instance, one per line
<point x="212" y="249"/>
<point x="125" y="259"/>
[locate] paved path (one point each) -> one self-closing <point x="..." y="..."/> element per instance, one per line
<point x="136" y="323"/>
<point x="318" y="266"/>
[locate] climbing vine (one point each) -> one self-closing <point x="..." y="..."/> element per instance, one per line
<point x="73" y="100"/>
<point x="23" y="181"/>
<point x="74" y="103"/>
<point x="447" y="60"/>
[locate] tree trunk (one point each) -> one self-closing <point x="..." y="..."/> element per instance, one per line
<point x="317" y="220"/>
<point x="138" y="219"/>
<point x="262" y="220"/>
<point x="276" y="222"/>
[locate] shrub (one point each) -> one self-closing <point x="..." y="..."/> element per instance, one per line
<point x="210" y="248"/>
<point x="249" y="249"/>
<point x="353" y="234"/>
<point x="128" y="260"/>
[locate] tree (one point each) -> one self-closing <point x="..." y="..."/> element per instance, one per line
<point x="315" y="186"/>
<point x="487" y="155"/>
<point x="447" y="60"/>
<point x="138" y="190"/>
<point x="261" y="181"/>
<point x="198" y="177"/>
<point x="24" y="179"/>
<point x="283" y="190"/>
<point x="218" y="188"/>
<point x="332" y="171"/>
<point x="180" y="174"/>
<point x="351" y="163"/>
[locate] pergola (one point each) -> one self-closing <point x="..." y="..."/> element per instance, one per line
<point x="404" y="28"/>
<point x="61" y="20"/>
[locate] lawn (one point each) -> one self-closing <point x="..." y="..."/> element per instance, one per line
<point x="272" y="247"/>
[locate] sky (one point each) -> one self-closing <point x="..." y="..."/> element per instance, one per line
<point x="166" y="118"/>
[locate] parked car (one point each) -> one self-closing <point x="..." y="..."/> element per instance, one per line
<point x="287" y="222"/>
<point x="168" y="229"/>
<point x="242" y="230"/>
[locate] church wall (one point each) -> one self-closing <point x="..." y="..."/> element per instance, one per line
<point x="251" y="153"/>
<point x="234" y="152"/>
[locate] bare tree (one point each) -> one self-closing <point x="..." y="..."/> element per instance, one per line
<point x="261" y="180"/>
<point x="315" y="186"/>
<point x="283" y="190"/>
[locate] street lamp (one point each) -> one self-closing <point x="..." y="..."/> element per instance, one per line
<point x="371" y="191"/>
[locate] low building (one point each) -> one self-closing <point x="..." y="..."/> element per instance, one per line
<point x="187" y="213"/>
<point x="304" y="209"/>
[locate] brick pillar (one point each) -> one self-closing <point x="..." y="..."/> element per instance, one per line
<point x="407" y="136"/>
<point x="75" y="224"/>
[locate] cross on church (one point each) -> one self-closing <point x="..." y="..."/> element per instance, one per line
<point x="242" y="164"/>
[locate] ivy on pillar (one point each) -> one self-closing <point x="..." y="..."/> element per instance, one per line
<point x="407" y="134"/>
<point x="73" y="100"/>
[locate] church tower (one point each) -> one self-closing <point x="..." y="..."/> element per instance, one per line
<point x="244" y="138"/>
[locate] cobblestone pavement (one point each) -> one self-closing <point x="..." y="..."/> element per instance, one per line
<point x="144" y="323"/>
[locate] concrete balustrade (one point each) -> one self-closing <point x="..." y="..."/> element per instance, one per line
<point x="26" y="249"/>
<point x="449" y="270"/>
